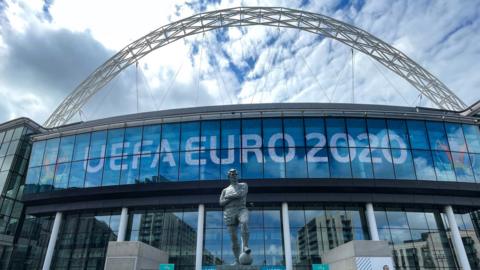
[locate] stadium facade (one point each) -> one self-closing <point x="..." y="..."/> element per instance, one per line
<point x="320" y="175"/>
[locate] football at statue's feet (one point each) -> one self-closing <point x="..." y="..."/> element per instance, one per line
<point x="245" y="258"/>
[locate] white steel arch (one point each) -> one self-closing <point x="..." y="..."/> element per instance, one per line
<point x="350" y="35"/>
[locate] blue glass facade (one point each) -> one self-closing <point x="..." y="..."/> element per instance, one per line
<point x="268" y="148"/>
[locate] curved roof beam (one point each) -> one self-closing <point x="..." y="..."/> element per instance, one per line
<point x="349" y="35"/>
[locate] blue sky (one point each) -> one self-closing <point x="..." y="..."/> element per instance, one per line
<point x="48" y="47"/>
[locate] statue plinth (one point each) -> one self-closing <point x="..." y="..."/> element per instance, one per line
<point x="237" y="267"/>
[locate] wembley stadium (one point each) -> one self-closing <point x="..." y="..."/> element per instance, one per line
<point x="321" y="176"/>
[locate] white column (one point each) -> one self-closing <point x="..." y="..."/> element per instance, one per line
<point x="286" y="236"/>
<point x="122" y="227"/>
<point x="372" y="223"/>
<point x="200" y="226"/>
<point x="457" y="239"/>
<point x="53" y="240"/>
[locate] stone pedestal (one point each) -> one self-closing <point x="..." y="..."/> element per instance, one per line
<point x="237" y="267"/>
<point x="133" y="255"/>
<point x="361" y="255"/>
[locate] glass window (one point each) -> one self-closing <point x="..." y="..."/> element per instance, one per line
<point x="151" y="139"/>
<point x="115" y="142"/>
<point x="382" y="164"/>
<point x="149" y="168"/>
<point x="210" y="137"/>
<point x="12" y="148"/>
<point x="251" y="133"/>
<point x="170" y="138"/>
<point x="293" y="128"/>
<point x="252" y="163"/>
<point x="443" y="165"/>
<point x="46" y="178"/>
<point x="31" y="182"/>
<point x="17" y="133"/>
<point x="229" y="159"/>
<point x="296" y="163"/>
<point x="397" y="132"/>
<point x="475" y="158"/>
<point x="315" y="132"/>
<point x="36" y="157"/>
<point x="424" y="165"/>
<point x="339" y="163"/>
<point x="2" y="135"/>
<point x="190" y="136"/>
<point x="272" y="132"/>
<point x="377" y="133"/>
<point x="51" y="151"/>
<point x="210" y="170"/>
<point x="437" y="136"/>
<point x="230" y="134"/>
<point x="93" y="177"/>
<point x="97" y="144"/>
<point x="361" y="163"/>
<point x="189" y="162"/>
<point x="455" y="137"/>
<point x="169" y="166"/>
<point x="472" y="136"/>
<point x="77" y="174"/>
<point x="274" y="163"/>
<point x="133" y="141"/>
<point x="111" y="171"/>
<point x="61" y="175"/>
<point x="8" y="135"/>
<point x="129" y="170"/>
<point x="463" y="168"/>
<point x="82" y="142"/>
<point x="336" y="134"/>
<point x="403" y="164"/>
<point x="357" y="131"/>
<point x="418" y="134"/>
<point x="317" y="162"/>
<point x="66" y="149"/>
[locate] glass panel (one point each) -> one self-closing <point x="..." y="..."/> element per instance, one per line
<point x="251" y="133"/>
<point x="210" y="170"/>
<point x="66" y="149"/>
<point x="377" y="133"/>
<point x="403" y="164"/>
<point x="230" y="159"/>
<point x="17" y="133"/>
<point x="97" y="144"/>
<point x="424" y="165"/>
<point x="339" y="163"/>
<point x="129" y="174"/>
<point x="272" y="132"/>
<point x="397" y="132"/>
<point x="93" y="177"/>
<point x="210" y="137"/>
<point x="12" y="148"/>
<point x="315" y="132"/>
<point x="437" y="136"/>
<point x="31" y="181"/>
<point x="170" y="138"/>
<point x="111" y="171"/>
<point x="169" y="166"/>
<point x="151" y="139"/>
<point x="189" y="165"/>
<point x="149" y="168"/>
<point x="336" y="134"/>
<point x="252" y="163"/>
<point x="294" y="131"/>
<point x="230" y="134"/>
<point x="61" y="175"/>
<point x="455" y="137"/>
<point x="51" y="151"/>
<point x="115" y="142"/>
<point x="36" y="157"/>
<point x="357" y="131"/>
<point x="472" y="136"/>
<point x="361" y="163"/>
<point x="317" y="162"/>
<point x="190" y="136"/>
<point x="463" y="168"/>
<point x="443" y="165"/>
<point x="133" y="141"/>
<point x="475" y="158"/>
<point x="418" y="134"/>
<point x="46" y="178"/>
<point x="274" y="163"/>
<point x="77" y="174"/>
<point x="296" y="165"/>
<point x="382" y="164"/>
<point x="82" y="141"/>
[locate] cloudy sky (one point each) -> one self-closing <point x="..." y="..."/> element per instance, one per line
<point x="48" y="47"/>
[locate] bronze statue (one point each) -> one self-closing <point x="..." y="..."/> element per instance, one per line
<point x="235" y="214"/>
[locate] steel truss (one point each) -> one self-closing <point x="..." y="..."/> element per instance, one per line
<point x="352" y="36"/>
